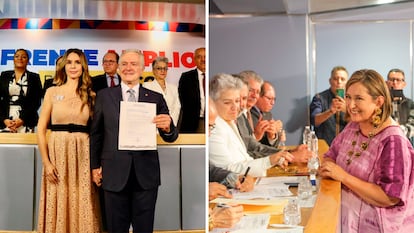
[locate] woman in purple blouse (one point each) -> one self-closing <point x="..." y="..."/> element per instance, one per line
<point x="373" y="160"/>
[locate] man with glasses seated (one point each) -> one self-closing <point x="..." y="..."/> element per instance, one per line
<point x="110" y="78"/>
<point x="403" y="107"/>
<point x="262" y="112"/>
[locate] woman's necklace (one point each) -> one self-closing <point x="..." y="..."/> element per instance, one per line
<point x="362" y="147"/>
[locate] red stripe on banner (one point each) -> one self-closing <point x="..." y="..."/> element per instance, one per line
<point x="141" y="26"/>
<point x="173" y="27"/>
<point x="5" y="23"/>
<point x="22" y="23"/>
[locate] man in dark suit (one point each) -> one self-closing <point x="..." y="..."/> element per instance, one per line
<point x="129" y="178"/>
<point x="110" y="78"/>
<point x="192" y="95"/>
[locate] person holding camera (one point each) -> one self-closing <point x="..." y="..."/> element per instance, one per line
<point x="402" y="106"/>
<point x="327" y="109"/>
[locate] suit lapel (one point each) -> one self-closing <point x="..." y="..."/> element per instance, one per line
<point x="116" y="94"/>
<point x="144" y="95"/>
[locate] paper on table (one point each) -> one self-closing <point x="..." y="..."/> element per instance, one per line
<point x="253" y="221"/>
<point x="276" y="201"/>
<point x="278" y="179"/>
<point x="256" y="206"/>
<point x="264" y="191"/>
<point x="136" y="130"/>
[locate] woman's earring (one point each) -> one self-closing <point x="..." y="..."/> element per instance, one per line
<point x="376" y="119"/>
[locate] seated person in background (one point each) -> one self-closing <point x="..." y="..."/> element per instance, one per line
<point x="257" y="149"/>
<point x="220" y="175"/>
<point x="226" y="147"/>
<point x="403" y="107"/>
<point x="327" y="108"/>
<point x="110" y="78"/>
<point x="219" y="217"/>
<point x="261" y="113"/>
<point x="168" y="90"/>
<point x="254" y="82"/>
<point x="50" y="82"/>
<point x="20" y="96"/>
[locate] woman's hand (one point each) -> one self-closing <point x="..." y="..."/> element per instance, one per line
<point x="51" y="173"/>
<point x="329" y="169"/>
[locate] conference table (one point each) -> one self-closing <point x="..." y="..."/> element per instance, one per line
<point x="324" y="216"/>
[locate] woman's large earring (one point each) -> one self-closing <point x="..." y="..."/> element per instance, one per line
<point x="376" y="119"/>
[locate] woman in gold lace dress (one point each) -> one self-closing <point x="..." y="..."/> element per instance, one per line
<point x="68" y="199"/>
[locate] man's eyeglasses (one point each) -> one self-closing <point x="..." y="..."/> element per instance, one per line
<point x="397" y="80"/>
<point x="255" y="91"/>
<point x="109" y="62"/>
<point x="270" y="99"/>
<point x="161" y="68"/>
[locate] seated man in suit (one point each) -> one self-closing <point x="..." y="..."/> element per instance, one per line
<point x="255" y="148"/>
<point x="262" y="112"/>
<point x="110" y="78"/>
<point x="263" y="130"/>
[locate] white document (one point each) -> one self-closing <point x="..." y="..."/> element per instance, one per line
<point x="136" y="130"/>
<point x="264" y="191"/>
<point x="253" y="221"/>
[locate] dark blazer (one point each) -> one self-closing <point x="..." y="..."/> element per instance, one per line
<point x="99" y="82"/>
<point x="31" y="102"/>
<point x="189" y="94"/>
<point x="216" y="174"/>
<point x="254" y="148"/>
<point x="116" y="164"/>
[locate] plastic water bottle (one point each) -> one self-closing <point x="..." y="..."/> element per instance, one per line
<point x="305" y="134"/>
<point x="291" y="213"/>
<point x="313" y="162"/>
<point x="304" y="188"/>
<point x="282" y="139"/>
<point x="313" y="143"/>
